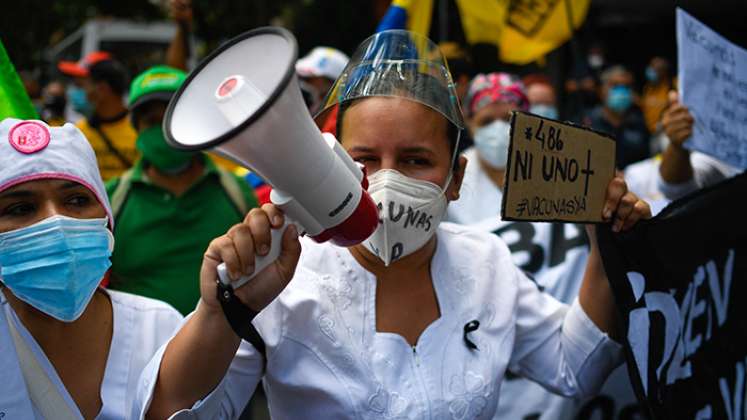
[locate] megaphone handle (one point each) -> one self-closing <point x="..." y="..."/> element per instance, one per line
<point x="260" y="262"/>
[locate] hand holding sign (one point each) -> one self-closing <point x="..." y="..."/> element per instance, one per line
<point x="677" y="121"/>
<point x="556" y="171"/>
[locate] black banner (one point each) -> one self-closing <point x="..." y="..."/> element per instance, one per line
<point x="679" y="283"/>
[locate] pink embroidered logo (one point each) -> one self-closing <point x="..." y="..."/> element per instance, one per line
<point x="29" y="137"/>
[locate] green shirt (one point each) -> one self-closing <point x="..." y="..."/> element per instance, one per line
<point x="160" y="238"/>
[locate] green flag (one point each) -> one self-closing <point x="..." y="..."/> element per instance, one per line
<point x="14" y="101"/>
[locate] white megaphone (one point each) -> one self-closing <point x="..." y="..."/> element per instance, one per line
<point x="244" y="102"/>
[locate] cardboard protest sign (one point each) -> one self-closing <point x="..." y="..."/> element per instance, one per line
<point x="556" y="171"/>
<point x="713" y="85"/>
<point x="679" y="282"/>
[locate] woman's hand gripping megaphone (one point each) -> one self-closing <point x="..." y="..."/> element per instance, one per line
<point x="246" y="253"/>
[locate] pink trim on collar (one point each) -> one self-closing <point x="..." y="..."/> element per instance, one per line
<point x="66" y="177"/>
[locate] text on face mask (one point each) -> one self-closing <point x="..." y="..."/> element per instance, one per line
<point x="410" y="218"/>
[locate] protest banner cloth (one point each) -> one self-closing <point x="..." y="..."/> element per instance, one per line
<point x="679" y="283"/>
<point x="713" y="85"/>
<point x="556" y="171"/>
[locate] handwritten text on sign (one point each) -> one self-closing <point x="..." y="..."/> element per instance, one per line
<point x="713" y="85"/>
<point x="556" y="171"/>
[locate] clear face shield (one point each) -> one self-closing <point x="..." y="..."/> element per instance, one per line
<point x="397" y="63"/>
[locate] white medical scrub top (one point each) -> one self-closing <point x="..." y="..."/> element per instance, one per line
<point x="325" y="359"/>
<point x="140" y="326"/>
<point x="643" y="179"/>
<point x="479" y="197"/>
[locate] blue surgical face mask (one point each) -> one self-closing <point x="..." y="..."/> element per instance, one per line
<point x="619" y="98"/>
<point x="79" y="100"/>
<point x="544" y="110"/>
<point x="491" y="142"/>
<point x="56" y="265"/>
<point x="651" y="75"/>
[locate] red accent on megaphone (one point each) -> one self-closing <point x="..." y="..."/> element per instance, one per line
<point x="227" y="86"/>
<point x="357" y="227"/>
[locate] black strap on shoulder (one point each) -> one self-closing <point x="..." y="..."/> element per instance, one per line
<point x="96" y="125"/>
<point x="240" y="317"/>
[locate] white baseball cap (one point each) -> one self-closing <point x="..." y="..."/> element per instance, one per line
<point x="322" y="62"/>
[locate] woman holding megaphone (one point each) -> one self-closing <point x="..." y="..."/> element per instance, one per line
<point x="421" y="320"/>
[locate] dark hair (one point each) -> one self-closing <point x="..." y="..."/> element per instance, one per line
<point x="112" y="73"/>
<point x="461" y="67"/>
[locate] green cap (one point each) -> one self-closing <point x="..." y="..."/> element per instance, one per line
<point x="156" y="83"/>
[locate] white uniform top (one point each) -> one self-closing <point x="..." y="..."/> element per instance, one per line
<point x="479" y="197"/>
<point x="326" y="359"/>
<point x="140" y="327"/>
<point x="555" y="255"/>
<point x="707" y="171"/>
<point x="643" y="179"/>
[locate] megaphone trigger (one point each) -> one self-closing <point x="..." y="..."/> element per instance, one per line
<point x="260" y="261"/>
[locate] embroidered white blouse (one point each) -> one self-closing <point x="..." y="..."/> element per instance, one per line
<point x="325" y="358"/>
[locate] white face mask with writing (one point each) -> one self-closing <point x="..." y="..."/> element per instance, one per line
<point x="409" y="213"/>
<point x="491" y="142"/>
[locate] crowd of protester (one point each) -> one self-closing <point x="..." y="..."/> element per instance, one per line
<point x="164" y="206"/>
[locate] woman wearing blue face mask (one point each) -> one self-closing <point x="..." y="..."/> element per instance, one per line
<point x="490" y="100"/>
<point x="68" y="349"/>
<point x="421" y="320"/>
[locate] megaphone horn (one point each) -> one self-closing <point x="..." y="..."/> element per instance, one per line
<point x="244" y="102"/>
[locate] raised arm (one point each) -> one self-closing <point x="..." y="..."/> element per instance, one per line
<point x="676" y="167"/>
<point x="198" y="357"/>
<point x="178" y="52"/>
<point x="568" y="350"/>
<point x="623" y="209"/>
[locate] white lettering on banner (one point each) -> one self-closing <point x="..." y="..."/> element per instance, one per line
<point x="680" y="339"/>
<point x="696" y="309"/>
<point x="721" y="296"/>
<point x="713" y="86"/>
<point x="734" y="403"/>
<point x="638" y="339"/>
<point x="705" y="413"/>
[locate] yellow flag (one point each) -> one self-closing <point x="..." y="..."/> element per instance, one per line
<point x="523" y="30"/>
<point x="483" y="20"/>
<point x="418" y="14"/>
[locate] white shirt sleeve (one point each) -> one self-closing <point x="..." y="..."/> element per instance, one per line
<point x="707" y="171"/>
<point x="226" y="401"/>
<point x="558" y="346"/>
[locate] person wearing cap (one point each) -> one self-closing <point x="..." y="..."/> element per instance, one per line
<point x="490" y="100"/>
<point x="98" y="85"/>
<point x="421" y="320"/>
<point x="170" y="204"/>
<point x="317" y="72"/>
<point x="69" y="349"/>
